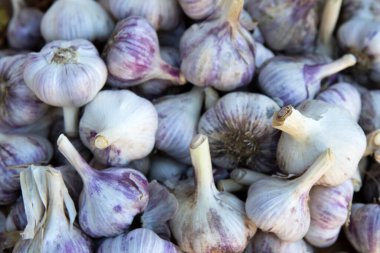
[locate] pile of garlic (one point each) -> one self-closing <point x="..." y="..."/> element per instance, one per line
<point x="197" y="126"/>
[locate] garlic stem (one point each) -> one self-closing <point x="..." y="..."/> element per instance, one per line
<point x="325" y="70"/>
<point x="55" y="207"/>
<point x="72" y="155"/>
<point x="246" y="177"/>
<point x="70" y="117"/>
<point x="292" y="122"/>
<point x="232" y="10"/>
<point x="229" y="185"/>
<point x="201" y="160"/>
<point x="373" y="142"/>
<point x="168" y="72"/>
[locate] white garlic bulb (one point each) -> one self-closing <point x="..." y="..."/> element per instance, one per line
<point x="118" y="127"/>
<point x="309" y="130"/>
<point x="76" y="19"/>
<point x="281" y="206"/>
<point x="208" y="220"/>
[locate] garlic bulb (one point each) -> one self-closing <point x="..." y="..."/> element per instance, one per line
<point x="240" y="132"/>
<point x="16" y="219"/>
<point x="309" y="130"/>
<point x="140" y="240"/>
<point x="24" y="28"/>
<point x="269" y="243"/>
<point x="18" y="105"/>
<point x="17" y="151"/>
<point x="289" y="26"/>
<point x="221" y="38"/>
<point x="281" y="206"/>
<point x="363" y="231"/>
<point x="291" y="80"/>
<point x="344" y="95"/>
<point x="329" y="210"/>
<point x="83" y="19"/>
<point x="208" y="220"/>
<point x="49" y="228"/>
<point x="370" y="113"/>
<point x="161" y="14"/>
<point x="67" y="74"/>
<point x="110" y="198"/>
<point x="166" y="170"/>
<point x="178" y="117"/>
<point x="133" y="55"/>
<point x="199" y="9"/>
<point x="103" y="127"/>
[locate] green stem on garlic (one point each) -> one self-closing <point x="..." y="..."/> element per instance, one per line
<point x="292" y="122"/>
<point x="246" y="177"/>
<point x="70" y="117"/>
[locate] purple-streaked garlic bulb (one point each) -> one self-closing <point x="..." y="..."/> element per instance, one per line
<point x="16" y="218"/>
<point x="344" y="95"/>
<point x="289" y="25"/>
<point x="221" y="38"/>
<point x="140" y="240"/>
<point x="161" y="208"/>
<point x="312" y="128"/>
<point x="292" y="80"/>
<point x="281" y="206"/>
<point x="133" y="55"/>
<point x="50" y="214"/>
<point x="19" y="106"/>
<point x="370" y="113"/>
<point x="178" y="117"/>
<point x="262" y="55"/>
<point x="110" y="198"/>
<point x="76" y="19"/>
<point x="329" y="211"/>
<point x="270" y="243"/>
<point x="67" y="74"/>
<point x="240" y="133"/>
<point x="363" y="231"/>
<point x="371" y="187"/>
<point x="161" y="14"/>
<point x="208" y="220"/>
<point x="118" y="127"/>
<point x="17" y="151"/>
<point x="24" y="28"/>
<point x="166" y="170"/>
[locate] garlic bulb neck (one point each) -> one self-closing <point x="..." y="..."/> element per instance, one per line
<point x="64" y="56"/>
<point x="292" y="122"/>
<point x="201" y="159"/>
<point x="16" y="6"/>
<point x="70" y="114"/>
<point x="232" y="10"/>
<point x="246" y="177"/>
<point x="170" y="73"/>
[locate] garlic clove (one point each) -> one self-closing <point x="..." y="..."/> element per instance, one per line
<point x="100" y="215"/>
<point x="102" y="127"/>
<point x="208" y="220"/>
<point x="280" y="206"/>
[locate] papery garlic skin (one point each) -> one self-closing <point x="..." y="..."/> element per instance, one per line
<point x="239" y="130"/>
<point x="133" y="57"/>
<point x="221" y="38"/>
<point x="310" y="129"/>
<point x="363" y="230"/>
<point x="118" y="127"/>
<point x="19" y="106"/>
<point x="370" y="113"/>
<point x="140" y="240"/>
<point x="329" y="211"/>
<point x="161" y="14"/>
<point x="84" y="19"/>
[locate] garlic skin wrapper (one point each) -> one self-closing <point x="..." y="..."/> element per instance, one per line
<point x="140" y="240"/>
<point x="67" y="74"/>
<point x="133" y="56"/>
<point x="178" y="117"/>
<point x="310" y="129"/>
<point x="18" y="105"/>
<point x="239" y="130"/>
<point x="83" y="19"/>
<point x="289" y="26"/>
<point x="363" y="231"/>
<point x="46" y="199"/>
<point x="221" y="38"/>
<point x="166" y="170"/>
<point x="281" y="206"/>
<point x="103" y="127"/>
<point x="110" y="198"/>
<point x="292" y="80"/>
<point x="370" y="114"/>
<point x="16" y="219"/>
<point x="161" y="14"/>
<point x="344" y="95"/>
<point x="269" y="243"/>
<point x="329" y="210"/>
<point x="208" y="220"/>
<point x="16" y="151"/>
